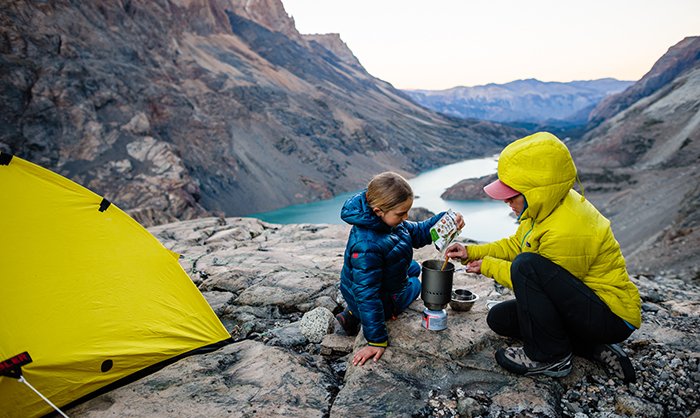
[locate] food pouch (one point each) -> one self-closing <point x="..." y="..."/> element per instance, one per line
<point x="444" y="231"/>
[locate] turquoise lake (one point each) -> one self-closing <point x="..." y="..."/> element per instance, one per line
<point x="486" y="220"/>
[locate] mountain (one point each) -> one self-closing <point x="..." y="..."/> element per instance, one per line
<point x="677" y="60"/>
<point x="640" y="161"/>
<point x="175" y="109"/>
<point x="525" y="101"/>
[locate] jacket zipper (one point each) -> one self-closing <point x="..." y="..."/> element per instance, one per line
<point x="525" y="236"/>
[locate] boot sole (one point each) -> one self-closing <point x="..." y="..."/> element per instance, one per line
<point x="616" y="363"/>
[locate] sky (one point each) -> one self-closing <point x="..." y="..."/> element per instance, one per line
<point x="439" y="44"/>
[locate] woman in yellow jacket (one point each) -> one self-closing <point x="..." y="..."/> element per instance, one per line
<point x="572" y="290"/>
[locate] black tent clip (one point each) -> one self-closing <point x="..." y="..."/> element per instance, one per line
<point x="12" y="367"/>
<point x="5" y="158"/>
<point x="104" y="204"/>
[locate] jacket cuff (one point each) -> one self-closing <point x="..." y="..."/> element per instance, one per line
<point x="384" y="344"/>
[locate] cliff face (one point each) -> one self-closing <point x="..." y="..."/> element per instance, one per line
<point x="641" y="163"/>
<point x="178" y="108"/>
<point x="679" y="58"/>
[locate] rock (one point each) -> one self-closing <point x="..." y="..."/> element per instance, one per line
<point x="469" y="189"/>
<point x="632" y="406"/>
<point x="242" y="379"/>
<point x="273" y="370"/>
<point x="334" y="344"/>
<point x="288" y="336"/>
<point x="469" y="407"/>
<point x="138" y="125"/>
<point x="316" y="324"/>
<point x="218" y="300"/>
<point x="418" y="214"/>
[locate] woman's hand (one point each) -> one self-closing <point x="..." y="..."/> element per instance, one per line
<point x="456" y="251"/>
<point x="367" y="353"/>
<point x="474" y="266"/>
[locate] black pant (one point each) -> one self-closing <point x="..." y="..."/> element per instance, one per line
<point x="553" y="312"/>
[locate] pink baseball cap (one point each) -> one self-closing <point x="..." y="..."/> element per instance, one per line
<point x="499" y="191"/>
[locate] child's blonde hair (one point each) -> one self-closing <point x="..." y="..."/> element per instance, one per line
<point x="388" y="190"/>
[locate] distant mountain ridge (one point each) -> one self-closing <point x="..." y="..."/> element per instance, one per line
<point x="530" y="100"/>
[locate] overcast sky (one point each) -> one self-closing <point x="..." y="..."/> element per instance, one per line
<point x="438" y="44"/>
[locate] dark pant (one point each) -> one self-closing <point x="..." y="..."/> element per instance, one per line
<point x="553" y="312"/>
<point x="394" y="302"/>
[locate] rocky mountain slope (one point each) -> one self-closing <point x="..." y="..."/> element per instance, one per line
<point x="268" y="282"/>
<point x="531" y="101"/>
<point x="180" y="108"/>
<point x="679" y="58"/>
<point x="642" y="163"/>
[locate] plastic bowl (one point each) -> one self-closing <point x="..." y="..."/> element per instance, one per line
<point x="463" y="300"/>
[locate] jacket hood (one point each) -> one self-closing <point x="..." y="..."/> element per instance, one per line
<point x="356" y="211"/>
<point x="541" y="168"/>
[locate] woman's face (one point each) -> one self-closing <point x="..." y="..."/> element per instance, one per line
<point x="396" y="215"/>
<point x="516" y="204"/>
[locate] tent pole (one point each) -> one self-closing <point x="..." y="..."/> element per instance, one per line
<point x="23" y="380"/>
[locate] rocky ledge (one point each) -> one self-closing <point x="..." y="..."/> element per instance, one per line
<point x="274" y="287"/>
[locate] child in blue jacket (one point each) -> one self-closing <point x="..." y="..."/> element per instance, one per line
<point x="379" y="278"/>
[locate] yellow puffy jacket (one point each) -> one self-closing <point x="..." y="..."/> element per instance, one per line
<point x="559" y="224"/>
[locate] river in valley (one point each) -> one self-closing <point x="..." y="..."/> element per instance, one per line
<point x="486" y="220"/>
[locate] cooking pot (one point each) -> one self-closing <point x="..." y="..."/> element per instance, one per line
<point x="436" y="284"/>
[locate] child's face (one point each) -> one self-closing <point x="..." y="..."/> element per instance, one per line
<point x="396" y="215"/>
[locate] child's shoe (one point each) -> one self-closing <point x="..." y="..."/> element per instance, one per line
<point x="615" y="362"/>
<point x="516" y="361"/>
<point x="350" y="324"/>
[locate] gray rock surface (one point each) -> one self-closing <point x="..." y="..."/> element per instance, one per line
<point x="244" y="379"/>
<point x="262" y="278"/>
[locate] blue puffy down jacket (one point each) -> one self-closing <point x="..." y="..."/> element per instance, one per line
<point x="376" y="261"/>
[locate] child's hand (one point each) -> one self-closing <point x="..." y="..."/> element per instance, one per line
<point x="456" y="251"/>
<point x="367" y="353"/>
<point x="459" y="220"/>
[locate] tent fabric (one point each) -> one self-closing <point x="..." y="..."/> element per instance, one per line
<point x="90" y="295"/>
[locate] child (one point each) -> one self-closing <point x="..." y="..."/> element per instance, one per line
<point x="379" y="278"/>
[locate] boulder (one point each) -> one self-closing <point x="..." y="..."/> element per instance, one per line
<point x="316" y="324"/>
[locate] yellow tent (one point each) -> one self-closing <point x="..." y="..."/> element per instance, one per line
<point x="88" y="293"/>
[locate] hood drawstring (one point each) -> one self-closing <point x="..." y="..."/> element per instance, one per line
<point x="580" y="184"/>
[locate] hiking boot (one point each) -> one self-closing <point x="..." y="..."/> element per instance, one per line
<point x="350" y="324"/>
<point x="516" y="361"/>
<point x="615" y="362"/>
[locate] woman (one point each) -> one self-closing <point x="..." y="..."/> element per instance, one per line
<point x="573" y="294"/>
